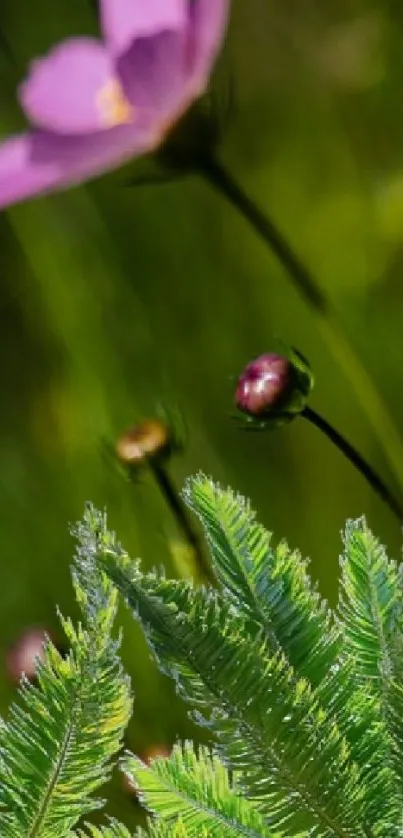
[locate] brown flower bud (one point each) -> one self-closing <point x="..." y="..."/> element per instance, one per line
<point x="149" y="439"/>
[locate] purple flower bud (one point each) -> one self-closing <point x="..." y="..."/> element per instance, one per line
<point x="267" y="383"/>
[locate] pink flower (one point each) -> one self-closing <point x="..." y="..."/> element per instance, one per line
<point x="93" y="105"/>
<point x="25" y="654"/>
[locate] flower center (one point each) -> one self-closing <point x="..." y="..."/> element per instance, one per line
<point x="113" y="105"/>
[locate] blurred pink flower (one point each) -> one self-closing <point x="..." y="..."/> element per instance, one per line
<point x="93" y="105"/>
<point x="25" y="654"/>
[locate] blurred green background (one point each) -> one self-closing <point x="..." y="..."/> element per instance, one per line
<point x="115" y="302"/>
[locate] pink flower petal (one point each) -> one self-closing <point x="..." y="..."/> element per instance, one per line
<point x="153" y="74"/>
<point x="39" y="162"/>
<point x="208" y="21"/>
<point x="74" y="90"/>
<point x="125" y="20"/>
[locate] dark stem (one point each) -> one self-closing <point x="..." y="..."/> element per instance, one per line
<point x="304" y="282"/>
<point x="221" y="179"/>
<point x="357" y="461"/>
<point x="182" y="517"/>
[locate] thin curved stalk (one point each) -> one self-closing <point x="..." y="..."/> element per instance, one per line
<point x="183" y="519"/>
<point x="370" y="399"/>
<point x="357" y="460"/>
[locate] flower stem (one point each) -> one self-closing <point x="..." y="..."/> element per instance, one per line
<point x="181" y="515"/>
<point x="371" y="401"/>
<point x="357" y="461"/>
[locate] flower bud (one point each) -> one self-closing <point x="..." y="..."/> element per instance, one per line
<point x="149" y="439"/>
<point x="266" y="383"/>
<point x="274" y="387"/>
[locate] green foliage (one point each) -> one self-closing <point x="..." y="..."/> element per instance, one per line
<point x="269" y="585"/>
<point x="58" y="744"/>
<point x="304" y="705"/>
<point x="113" y="830"/>
<point x="198" y="790"/>
<point x="371" y="606"/>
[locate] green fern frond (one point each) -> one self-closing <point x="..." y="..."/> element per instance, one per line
<point x="370" y="606"/>
<point x="370" y="614"/>
<point x="356" y="712"/>
<point x="156" y="829"/>
<point x="394" y="711"/>
<point x="113" y="830"/>
<point x="163" y="829"/>
<point x="268" y="724"/>
<point x="270" y="585"/>
<point x="61" y="735"/>
<point x="197" y="789"/>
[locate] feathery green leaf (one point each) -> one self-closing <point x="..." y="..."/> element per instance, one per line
<point x="268" y="723"/>
<point x="164" y="829"/>
<point x="370" y="606"/>
<point x="62" y="734"/>
<point x="270" y="585"/>
<point x="113" y="830"/>
<point x="197" y="789"/>
<point x="370" y="616"/>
